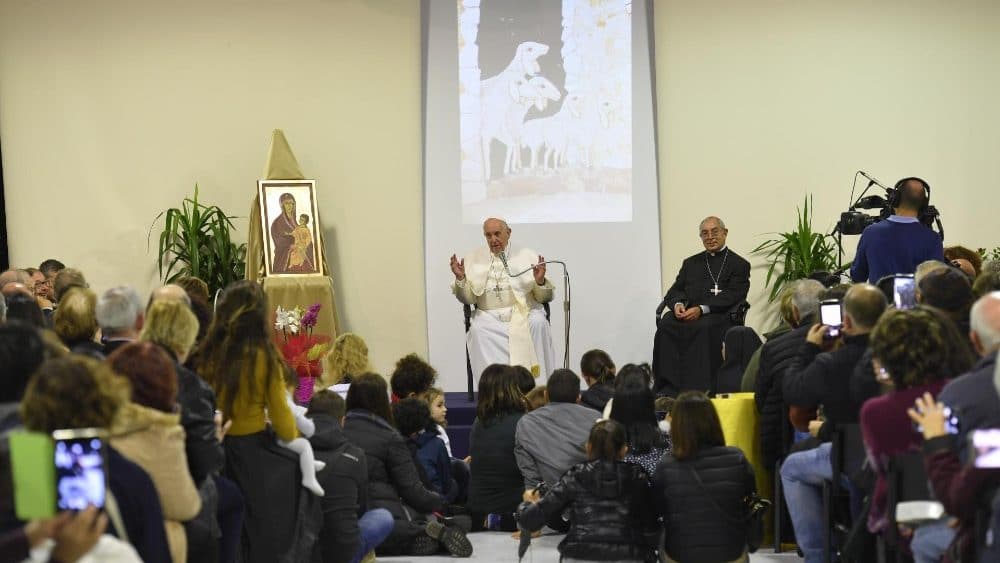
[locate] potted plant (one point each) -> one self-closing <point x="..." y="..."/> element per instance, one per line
<point x="196" y="241"/>
<point x="796" y="254"/>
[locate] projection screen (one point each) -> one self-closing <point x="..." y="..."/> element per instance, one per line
<point x="540" y="112"/>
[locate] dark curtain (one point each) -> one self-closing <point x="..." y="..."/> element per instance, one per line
<point x="4" y="257"/>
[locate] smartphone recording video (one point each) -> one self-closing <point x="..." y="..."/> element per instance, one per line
<point x="986" y="447"/>
<point x="81" y="468"/>
<point x="831" y="315"/>
<point x="904" y="292"/>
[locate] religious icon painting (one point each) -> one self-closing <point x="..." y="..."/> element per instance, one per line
<point x="290" y="225"/>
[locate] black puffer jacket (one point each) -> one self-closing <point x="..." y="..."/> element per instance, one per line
<point x="393" y="482"/>
<point x="696" y="532"/>
<point x="775" y="357"/>
<point x="613" y="514"/>
<point x="197" y="401"/>
<point x="597" y="395"/>
<point x="345" y="482"/>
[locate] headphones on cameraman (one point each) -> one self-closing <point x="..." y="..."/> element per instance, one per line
<point x="896" y="197"/>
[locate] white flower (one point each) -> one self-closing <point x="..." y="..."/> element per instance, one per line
<point x="280" y="319"/>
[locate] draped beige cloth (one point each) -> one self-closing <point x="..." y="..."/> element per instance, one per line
<point x="297" y="290"/>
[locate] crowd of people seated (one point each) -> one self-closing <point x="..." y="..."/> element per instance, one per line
<point x="210" y="459"/>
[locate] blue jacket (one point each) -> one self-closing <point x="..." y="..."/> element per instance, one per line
<point x="894" y="246"/>
<point x="433" y="457"/>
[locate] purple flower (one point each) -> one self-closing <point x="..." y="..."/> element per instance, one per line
<point x="312" y="315"/>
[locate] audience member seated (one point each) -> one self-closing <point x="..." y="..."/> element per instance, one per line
<point x="119" y="314"/>
<point x="53" y="400"/>
<point x="76" y="324"/>
<point x="19" y="280"/>
<point x="348" y="357"/>
<point x="66" y="279"/>
<point x="613" y="517"/>
<point x="50" y="267"/>
<point x="775" y="357"/>
<point x="74" y="535"/>
<point x="525" y="381"/>
<point x="42" y="288"/>
<point x="965" y="259"/>
<point x="173" y="327"/>
<point x="973" y="396"/>
<point x="913" y="352"/>
<point x="698" y="480"/>
<point x="240" y="361"/>
<point x="987" y="282"/>
<point x="148" y="432"/>
<point x="459" y="468"/>
<point x="23" y="308"/>
<point x="413" y="419"/>
<point x="950" y="291"/>
<point x="634" y="408"/>
<point x="787" y="313"/>
<point x="598" y="371"/>
<point x="496" y="483"/>
<point x="738" y="347"/>
<point x="961" y="488"/>
<point x="350" y="529"/>
<point x="816" y="377"/>
<point x="21" y="352"/>
<point x="196" y="288"/>
<point x="393" y="480"/>
<point x="550" y="440"/>
<point x="169" y="292"/>
<point x="412" y="377"/>
<point x="537" y="398"/>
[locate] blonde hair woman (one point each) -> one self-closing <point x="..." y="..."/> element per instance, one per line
<point x="348" y="357"/>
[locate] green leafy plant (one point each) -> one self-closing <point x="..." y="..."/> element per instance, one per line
<point x="796" y="254"/>
<point x="197" y="241"/>
<point x="989" y="254"/>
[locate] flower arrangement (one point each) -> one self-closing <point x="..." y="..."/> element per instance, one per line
<point x="300" y="347"/>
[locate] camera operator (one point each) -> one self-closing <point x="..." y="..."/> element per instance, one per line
<point x="901" y="242"/>
<point x="819" y="375"/>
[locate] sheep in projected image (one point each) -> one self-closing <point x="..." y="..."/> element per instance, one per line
<point x="552" y="133"/>
<point x="505" y="123"/>
<point x="587" y="132"/>
<point x="499" y="94"/>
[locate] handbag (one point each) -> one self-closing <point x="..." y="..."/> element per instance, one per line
<point x="754" y="509"/>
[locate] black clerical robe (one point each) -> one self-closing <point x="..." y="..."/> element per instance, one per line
<point x="687" y="354"/>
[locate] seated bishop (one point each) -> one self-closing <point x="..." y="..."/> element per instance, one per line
<point x="687" y="349"/>
<point x="509" y="324"/>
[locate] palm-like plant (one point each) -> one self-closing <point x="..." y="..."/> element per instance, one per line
<point x="196" y="241"/>
<point x="798" y="253"/>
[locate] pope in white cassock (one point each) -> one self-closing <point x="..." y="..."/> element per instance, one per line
<point x="509" y="325"/>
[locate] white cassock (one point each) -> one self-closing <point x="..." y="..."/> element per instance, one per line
<point x="509" y="325"/>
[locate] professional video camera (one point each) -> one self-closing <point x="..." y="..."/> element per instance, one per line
<point x="853" y="222"/>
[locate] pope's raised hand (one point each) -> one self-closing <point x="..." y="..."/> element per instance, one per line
<point x="458" y="267"/>
<point x="539" y="271"/>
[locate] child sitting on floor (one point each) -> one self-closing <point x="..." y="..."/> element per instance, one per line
<point x="413" y="419"/>
<point x="308" y="463"/>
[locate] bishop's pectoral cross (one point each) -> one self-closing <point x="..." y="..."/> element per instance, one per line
<point x="715" y="290"/>
<point x="496" y="289"/>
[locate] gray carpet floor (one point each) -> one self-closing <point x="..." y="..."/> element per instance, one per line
<point x="500" y="547"/>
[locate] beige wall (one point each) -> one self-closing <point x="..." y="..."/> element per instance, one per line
<point x="762" y="102"/>
<point x="110" y="111"/>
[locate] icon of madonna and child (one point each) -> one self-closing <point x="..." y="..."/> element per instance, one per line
<point x="292" y="240"/>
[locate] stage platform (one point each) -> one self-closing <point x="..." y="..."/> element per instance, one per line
<point x="461" y="414"/>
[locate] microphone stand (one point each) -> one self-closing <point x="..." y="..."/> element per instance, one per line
<point x="566" y="302"/>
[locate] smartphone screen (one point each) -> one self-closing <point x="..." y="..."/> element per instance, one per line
<point x="986" y="447"/>
<point x="81" y="469"/>
<point x="830" y="315"/>
<point x="904" y="293"/>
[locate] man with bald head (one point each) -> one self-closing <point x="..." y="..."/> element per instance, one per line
<point x="901" y="242"/>
<point x="820" y="376"/>
<point x="509" y="325"/>
<point x="687" y="349"/>
<point x="169" y="292"/>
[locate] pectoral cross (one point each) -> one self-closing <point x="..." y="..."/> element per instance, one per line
<point x="497" y="290"/>
<point x="715" y="290"/>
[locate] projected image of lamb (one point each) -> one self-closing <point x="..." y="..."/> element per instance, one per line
<point x="546" y="110"/>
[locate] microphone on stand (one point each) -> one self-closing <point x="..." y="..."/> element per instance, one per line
<point x="503" y="258"/>
<point x="873" y="180"/>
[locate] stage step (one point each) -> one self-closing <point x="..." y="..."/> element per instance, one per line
<point x="461" y="415"/>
